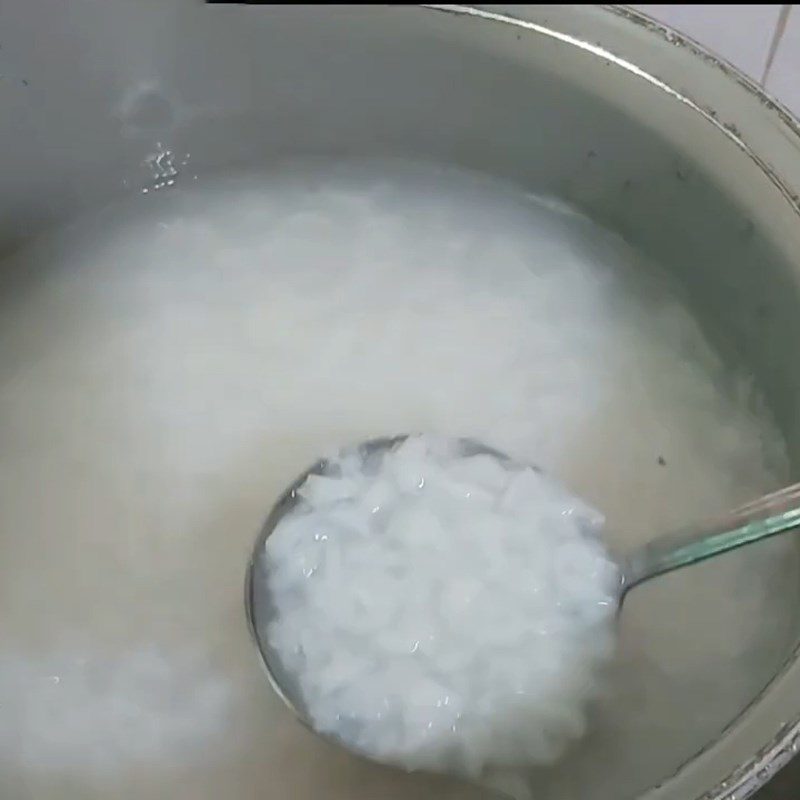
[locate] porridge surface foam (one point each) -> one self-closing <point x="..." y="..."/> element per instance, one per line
<point x="168" y="364"/>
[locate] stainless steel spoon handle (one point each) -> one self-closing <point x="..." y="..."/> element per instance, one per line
<point x="769" y="515"/>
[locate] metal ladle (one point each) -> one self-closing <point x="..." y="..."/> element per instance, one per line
<point x="778" y="512"/>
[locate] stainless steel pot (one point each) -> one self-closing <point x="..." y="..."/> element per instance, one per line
<point x="641" y="128"/>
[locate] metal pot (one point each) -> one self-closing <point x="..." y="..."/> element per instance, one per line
<point x="636" y="125"/>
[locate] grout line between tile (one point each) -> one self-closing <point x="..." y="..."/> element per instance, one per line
<point x="780" y="29"/>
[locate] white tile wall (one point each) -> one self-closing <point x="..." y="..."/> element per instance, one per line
<point x="740" y="34"/>
<point x="744" y="35"/>
<point x="784" y="78"/>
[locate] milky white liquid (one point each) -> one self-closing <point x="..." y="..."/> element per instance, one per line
<point x="168" y="366"/>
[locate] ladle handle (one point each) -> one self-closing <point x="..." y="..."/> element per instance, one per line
<point x="769" y="515"/>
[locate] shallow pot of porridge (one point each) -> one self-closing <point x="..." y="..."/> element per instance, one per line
<point x="236" y="236"/>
